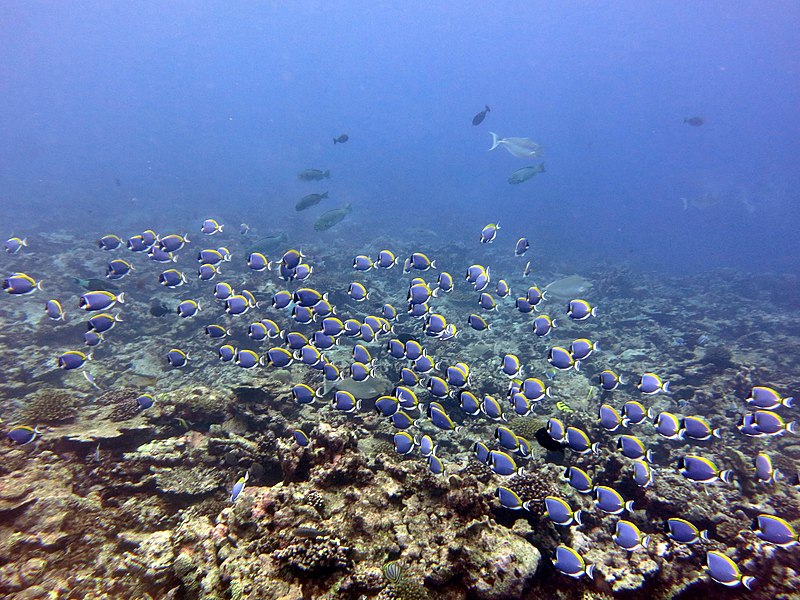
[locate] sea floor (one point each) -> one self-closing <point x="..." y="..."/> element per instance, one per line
<point x="112" y="501"/>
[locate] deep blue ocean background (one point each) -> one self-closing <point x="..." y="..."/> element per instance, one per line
<point x="115" y="116"/>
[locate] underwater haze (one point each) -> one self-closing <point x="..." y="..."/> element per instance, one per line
<point x="377" y="300"/>
<point x="211" y="107"/>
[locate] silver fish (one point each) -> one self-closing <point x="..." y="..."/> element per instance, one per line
<point x="519" y="147"/>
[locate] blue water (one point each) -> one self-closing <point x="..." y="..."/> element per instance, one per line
<point x="212" y="109"/>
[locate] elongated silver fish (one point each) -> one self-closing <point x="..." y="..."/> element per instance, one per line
<point x="519" y="147"/>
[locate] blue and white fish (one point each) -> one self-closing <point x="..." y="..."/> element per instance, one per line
<point x="489" y="232"/>
<point x="419" y="261"/>
<point x="765" y="472"/>
<point x="569" y="562"/>
<point x="503" y="464"/>
<point x="173" y="242"/>
<point x="210" y="227"/>
<point x="20" y="284"/>
<point x="697" y="428"/>
<point x="668" y="425"/>
<point x="72" y="359"/>
<point x="177" y="358"/>
<point x="580" y="310"/>
<point x="521" y="247"/>
<point x="238" y="487"/>
<point x="386" y="259"/>
<point x="510" y="499"/>
<point x="403" y="442"/>
<point x="444" y="283"/>
<point x="579" y="479"/>
<point x="628" y="537"/>
<point x="477" y="322"/>
<point x="771" y="423"/>
<point x="188" y="308"/>
<point x="583" y="348"/>
<point x="702" y="470"/>
<point x="223" y="291"/>
<point x="279" y="357"/>
<point x="542" y="325"/>
<point x="304" y="394"/>
<point x="642" y="473"/>
<point x="766" y="398"/>
<point x="301" y="438"/>
<point x="610" y="501"/>
<point x="427" y="446"/>
<point x="258" y="262"/>
<point x="609" y="418"/>
<point x="559" y="512"/>
<point x="683" y="532"/>
<point x="357" y="291"/>
<point x="650" y="383"/>
<point x="172" y="278"/>
<point x="362" y="263"/>
<point x="345" y="402"/>
<point x="535" y="389"/>
<point x="236" y="304"/>
<point x="609" y="381"/>
<point x="510" y="365"/>
<point x="633" y="413"/>
<point x="469" y="402"/>
<point x="145" y="401"/>
<point x="632" y="447"/>
<point x="54" y="310"/>
<point x="775" y="530"/>
<point x="248" y="359"/>
<point x="492" y="409"/>
<point x="723" y="570"/>
<point x="23" y="434"/>
<point x="14" y="244"/>
<point x="561" y="359"/>
<point x="109" y="242"/>
<point x="226" y="353"/>
<point x="556" y="429"/>
<point x="577" y="441"/>
<point x="103" y="322"/>
<point x="436" y="465"/>
<point x="502" y="289"/>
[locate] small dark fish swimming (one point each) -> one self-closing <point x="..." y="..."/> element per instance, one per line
<point x="478" y="119"/>
<point x="313" y="175"/>
<point x="525" y="173"/>
<point x="332" y="217"/>
<point x="341" y="139"/>
<point x="95" y="285"/>
<point x="694" y="121"/>
<point x="309" y="201"/>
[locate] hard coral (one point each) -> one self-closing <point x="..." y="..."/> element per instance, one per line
<point x="51" y="406"/>
<point x="315" y="556"/>
<point x="533" y="488"/>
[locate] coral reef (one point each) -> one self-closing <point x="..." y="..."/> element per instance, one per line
<point x="50" y="406"/>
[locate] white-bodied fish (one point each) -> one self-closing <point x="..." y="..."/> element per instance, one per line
<point x="519" y="147"/>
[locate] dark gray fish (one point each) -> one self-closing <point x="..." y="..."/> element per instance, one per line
<point x="95" y="285"/>
<point x="332" y="217"/>
<point x="478" y="119"/>
<point x="309" y="201"/>
<point x="308" y="532"/>
<point x="313" y="175"/>
<point x="525" y="173"/>
<point x="341" y="139"/>
<point x="159" y="309"/>
<point x="694" y="121"/>
<point x="267" y="244"/>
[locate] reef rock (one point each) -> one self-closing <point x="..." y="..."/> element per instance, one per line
<point x="499" y="564"/>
